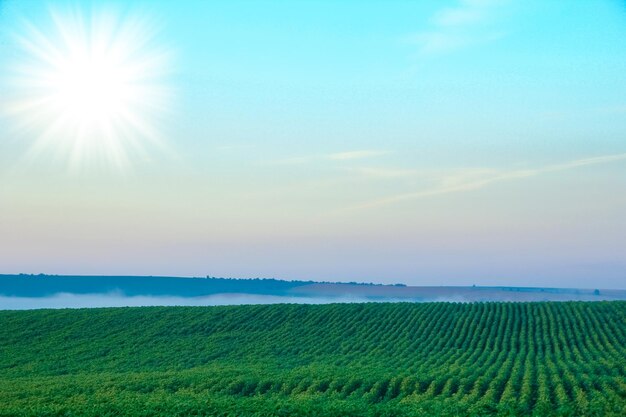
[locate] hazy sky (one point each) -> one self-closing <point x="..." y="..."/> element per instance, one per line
<point x="432" y="143"/>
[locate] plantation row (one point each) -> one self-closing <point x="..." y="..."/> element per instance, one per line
<point x="342" y="359"/>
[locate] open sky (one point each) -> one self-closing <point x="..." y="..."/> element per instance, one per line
<point x="431" y="143"/>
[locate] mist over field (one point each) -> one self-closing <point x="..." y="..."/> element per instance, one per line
<point x="64" y="300"/>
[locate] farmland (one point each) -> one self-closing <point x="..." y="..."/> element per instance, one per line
<point x="383" y="359"/>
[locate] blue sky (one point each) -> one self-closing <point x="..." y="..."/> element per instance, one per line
<point x="431" y="143"/>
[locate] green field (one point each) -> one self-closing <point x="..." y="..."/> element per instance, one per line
<point x="295" y="360"/>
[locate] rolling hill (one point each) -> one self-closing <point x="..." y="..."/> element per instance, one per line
<point x="52" y="291"/>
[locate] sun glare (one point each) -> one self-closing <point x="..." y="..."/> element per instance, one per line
<point x="90" y="85"/>
<point x="90" y="90"/>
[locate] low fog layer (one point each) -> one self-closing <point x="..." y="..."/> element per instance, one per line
<point x="120" y="300"/>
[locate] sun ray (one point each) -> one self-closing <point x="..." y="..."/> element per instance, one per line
<point x="90" y="85"/>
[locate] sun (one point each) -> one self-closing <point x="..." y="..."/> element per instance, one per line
<point x="90" y="85"/>
<point x="90" y="89"/>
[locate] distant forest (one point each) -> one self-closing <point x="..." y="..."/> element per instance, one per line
<point x="41" y="285"/>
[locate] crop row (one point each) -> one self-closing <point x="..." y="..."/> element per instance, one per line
<point x="480" y="358"/>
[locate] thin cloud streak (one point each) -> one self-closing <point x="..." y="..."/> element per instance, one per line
<point x="456" y="186"/>
<point x="384" y="173"/>
<point x="458" y="27"/>
<point x="337" y="156"/>
<point x="341" y="156"/>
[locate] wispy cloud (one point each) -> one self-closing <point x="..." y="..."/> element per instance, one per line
<point x="459" y="26"/>
<point x="235" y="147"/>
<point x="477" y="179"/>
<point x="385" y="172"/>
<point x="356" y="154"/>
<point x="337" y="156"/>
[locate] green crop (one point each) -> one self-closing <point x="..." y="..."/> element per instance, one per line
<point x="386" y="359"/>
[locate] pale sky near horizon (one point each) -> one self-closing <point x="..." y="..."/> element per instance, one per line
<point x="430" y="143"/>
